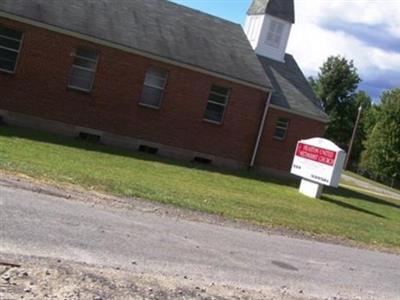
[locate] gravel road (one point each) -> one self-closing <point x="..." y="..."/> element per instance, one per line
<point x="137" y="242"/>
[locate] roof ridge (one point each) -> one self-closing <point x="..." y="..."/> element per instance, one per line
<point x="178" y="33"/>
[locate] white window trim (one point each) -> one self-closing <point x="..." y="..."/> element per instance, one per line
<point x="94" y="71"/>
<point x="154" y="86"/>
<point x="74" y="87"/>
<point x="162" y="89"/>
<point x="163" y="79"/>
<point x="212" y="122"/>
<point x="217" y="103"/>
<point x="10" y="38"/>
<point x="149" y="105"/>
<point x="9" y="49"/>
<point x="224" y="105"/>
<point x="13" y="50"/>
<point x="222" y="95"/>
<point x="84" y="68"/>
<point x="85" y="58"/>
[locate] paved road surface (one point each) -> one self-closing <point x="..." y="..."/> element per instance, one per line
<point x="47" y="226"/>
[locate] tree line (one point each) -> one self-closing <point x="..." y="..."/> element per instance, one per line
<point x="376" y="148"/>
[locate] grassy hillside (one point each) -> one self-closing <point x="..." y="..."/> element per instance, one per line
<point x="238" y="195"/>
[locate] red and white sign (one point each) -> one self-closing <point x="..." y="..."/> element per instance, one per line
<point x="317" y="154"/>
<point x="318" y="160"/>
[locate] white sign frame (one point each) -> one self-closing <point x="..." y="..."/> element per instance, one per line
<point x="319" y="160"/>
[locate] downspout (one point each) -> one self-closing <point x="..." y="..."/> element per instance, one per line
<point x="260" y="131"/>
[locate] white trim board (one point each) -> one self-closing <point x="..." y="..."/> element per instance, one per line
<point x="301" y="114"/>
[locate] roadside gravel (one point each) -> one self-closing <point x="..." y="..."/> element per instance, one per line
<point x="39" y="279"/>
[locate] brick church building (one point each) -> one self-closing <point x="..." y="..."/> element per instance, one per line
<point x="155" y="76"/>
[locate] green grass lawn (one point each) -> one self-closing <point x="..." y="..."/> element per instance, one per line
<point x="240" y="195"/>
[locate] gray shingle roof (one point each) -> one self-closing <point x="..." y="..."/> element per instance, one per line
<point x="283" y="9"/>
<point x="291" y="88"/>
<point x="157" y="27"/>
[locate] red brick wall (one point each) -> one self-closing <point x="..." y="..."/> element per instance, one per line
<point x="39" y="88"/>
<point x="278" y="154"/>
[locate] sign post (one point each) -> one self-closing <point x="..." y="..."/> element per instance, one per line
<point x="318" y="162"/>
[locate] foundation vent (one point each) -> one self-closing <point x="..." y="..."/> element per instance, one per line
<point x="148" y="149"/>
<point x="89" y="137"/>
<point x="202" y="160"/>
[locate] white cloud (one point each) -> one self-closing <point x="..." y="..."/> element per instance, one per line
<point x="311" y="44"/>
<point x="368" y="12"/>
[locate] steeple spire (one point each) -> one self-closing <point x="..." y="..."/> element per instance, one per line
<point x="282" y="9"/>
<point x="268" y="25"/>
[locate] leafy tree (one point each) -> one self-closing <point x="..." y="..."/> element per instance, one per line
<point x="370" y="117"/>
<point x="382" y="154"/>
<point x="312" y="82"/>
<point x="335" y="85"/>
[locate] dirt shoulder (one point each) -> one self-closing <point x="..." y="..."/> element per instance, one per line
<point x="38" y="279"/>
<point x="95" y="198"/>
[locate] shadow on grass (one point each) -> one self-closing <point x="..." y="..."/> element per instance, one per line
<point x="45" y="137"/>
<point x="350" y="206"/>
<point x="348" y="193"/>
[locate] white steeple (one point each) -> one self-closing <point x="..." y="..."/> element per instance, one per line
<point x="268" y="25"/>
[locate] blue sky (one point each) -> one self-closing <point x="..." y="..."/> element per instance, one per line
<point x="234" y="10"/>
<point x="366" y="31"/>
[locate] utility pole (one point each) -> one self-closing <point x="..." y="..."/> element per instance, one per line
<point x="353" y="137"/>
